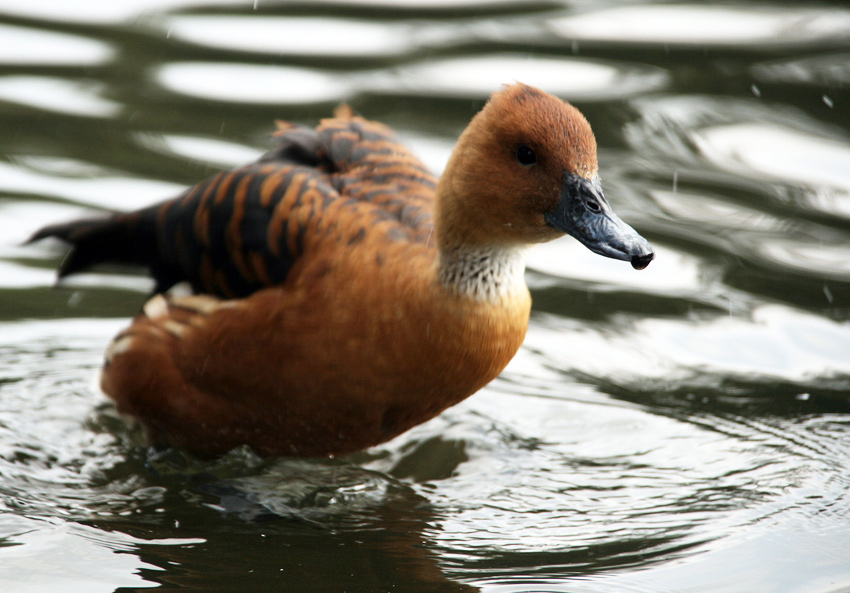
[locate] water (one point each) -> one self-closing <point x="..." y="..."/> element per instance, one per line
<point x="684" y="428"/>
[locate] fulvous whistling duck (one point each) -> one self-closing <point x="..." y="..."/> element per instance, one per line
<point x="344" y="294"/>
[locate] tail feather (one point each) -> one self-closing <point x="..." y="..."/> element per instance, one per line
<point x="122" y="238"/>
<point x="93" y="241"/>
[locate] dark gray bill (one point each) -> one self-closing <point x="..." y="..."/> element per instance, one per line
<point x="584" y="213"/>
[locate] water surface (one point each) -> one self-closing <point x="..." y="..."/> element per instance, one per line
<point x="683" y="428"/>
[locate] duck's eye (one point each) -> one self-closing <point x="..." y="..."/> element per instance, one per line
<point x="525" y="155"/>
<point x="593" y="206"/>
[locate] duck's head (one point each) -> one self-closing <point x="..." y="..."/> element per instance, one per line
<point x="525" y="171"/>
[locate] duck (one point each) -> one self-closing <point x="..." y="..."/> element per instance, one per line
<point x="341" y="293"/>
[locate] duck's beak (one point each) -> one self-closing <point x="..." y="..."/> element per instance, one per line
<point x="584" y="213"/>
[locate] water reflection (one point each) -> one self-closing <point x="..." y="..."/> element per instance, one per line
<point x="106" y="12"/>
<point x="811" y="257"/>
<point x="707" y="26"/>
<point x="296" y="36"/>
<point x="474" y="77"/>
<point x="676" y="272"/>
<point x="210" y="151"/>
<point x="57" y="95"/>
<point x="782" y="154"/>
<point x="619" y="496"/>
<point x="830" y="70"/>
<point x="772" y="342"/>
<point x="250" y="83"/>
<point x="16" y="220"/>
<point x="23" y="46"/>
<point x="721" y="569"/>
<point x="793" y="160"/>
<point x="573" y="78"/>
<point x="443" y="5"/>
<point x="81" y="183"/>
<point x="40" y="552"/>
<point x="22" y="276"/>
<point x="98" y="12"/>
<point x="681" y="428"/>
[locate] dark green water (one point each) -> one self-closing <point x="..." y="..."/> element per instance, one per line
<point x="685" y="428"/>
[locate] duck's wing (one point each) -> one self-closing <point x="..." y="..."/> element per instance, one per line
<point x="373" y="167"/>
<point x="243" y="230"/>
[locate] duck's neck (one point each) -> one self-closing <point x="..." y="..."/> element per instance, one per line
<point x="484" y="273"/>
<point x="472" y="262"/>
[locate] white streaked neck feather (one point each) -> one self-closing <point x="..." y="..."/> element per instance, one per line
<point x="484" y="273"/>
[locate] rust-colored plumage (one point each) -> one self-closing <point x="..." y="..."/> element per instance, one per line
<point x="344" y="294"/>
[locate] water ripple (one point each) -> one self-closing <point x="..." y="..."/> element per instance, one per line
<point x="782" y="157"/>
<point x="97" y="12"/>
<point x="680" y="428"/>
<point x="708" y="26"/>
<point x="250" y="83"/>
<point x="80" y="182"/>
<point x="33" y="47"/>
<point x="42" y="554"/>
<point x="209" y="151"/>
<point x="673" y="273"/>
<point x="295" y="36"/>
<point x="611" y="483"/>
<point x="772" y="343"/>
<point x="831" y="70"/>
<point x="572" y="78"/>
<point x="57" y="95"/>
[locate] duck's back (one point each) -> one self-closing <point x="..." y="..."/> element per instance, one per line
<point x="243" y="230"/>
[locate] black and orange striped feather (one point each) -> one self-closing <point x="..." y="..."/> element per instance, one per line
<point x="242" y="230"/>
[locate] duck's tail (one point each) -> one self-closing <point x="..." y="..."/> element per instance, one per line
<point x="128" y="239"/>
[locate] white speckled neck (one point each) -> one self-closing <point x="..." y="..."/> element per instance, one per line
<point x="485" y="274"/>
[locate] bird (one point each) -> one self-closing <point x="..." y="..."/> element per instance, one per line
<point x="341" y="293"/>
